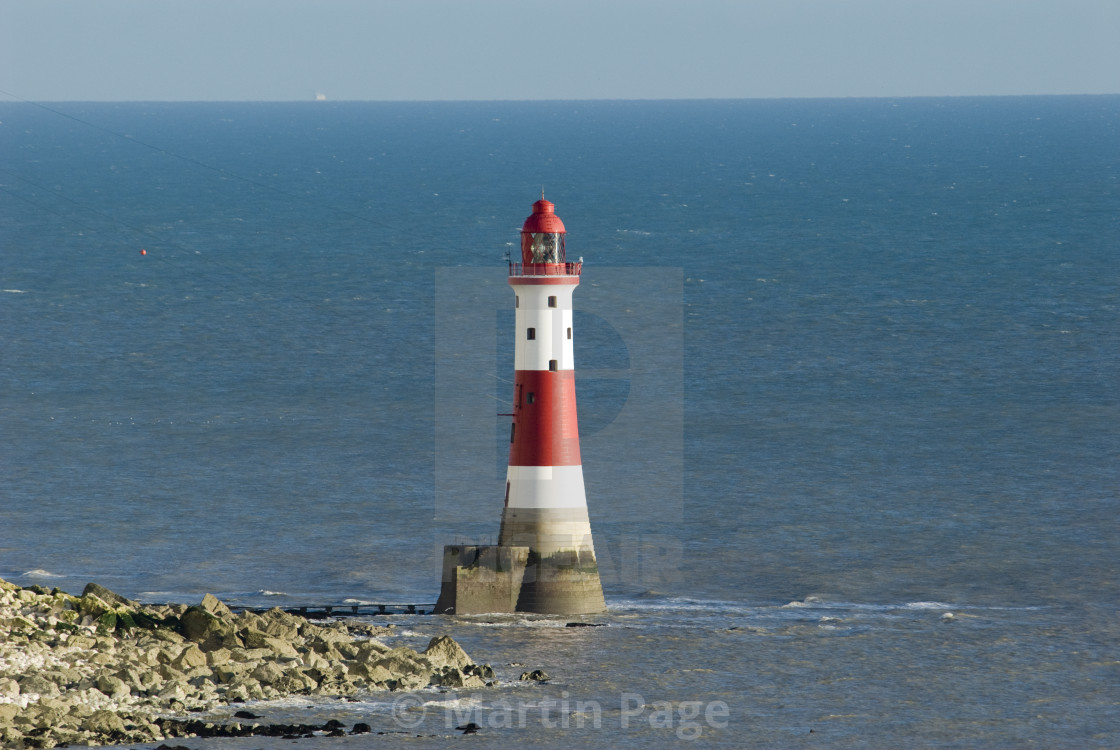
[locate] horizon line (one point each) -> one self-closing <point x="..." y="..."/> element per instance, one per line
<point x="15" y="99"/>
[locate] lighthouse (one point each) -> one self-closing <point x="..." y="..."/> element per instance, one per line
<point x="545" y="559"/>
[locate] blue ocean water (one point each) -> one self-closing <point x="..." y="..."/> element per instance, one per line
<point x="897" y="386"/>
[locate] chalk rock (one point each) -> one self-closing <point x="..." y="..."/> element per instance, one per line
<point x="8" y="688"/>
<point x="37" y="684"/>
<point x="403" y="660"/>
<point x="215" y="606"/>
<point x="267" y="673"/>
<point x="114" y="687"/>
<point x="455" y="678"/>
<point x="279" y="624"/>
<point x="189" y="658"/>
<point x="277" y="645"/>
<point x="537" y="674"/>
<point x="113" y="598"/>
<point x="207" y="630"/>
<point x="442" y="651"/>
<point x="101" y="669"/>
<point x="104" y="722"/>
<point x="91" y="605"/>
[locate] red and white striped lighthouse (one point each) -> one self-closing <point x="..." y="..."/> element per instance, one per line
<point x="545" y="502"/>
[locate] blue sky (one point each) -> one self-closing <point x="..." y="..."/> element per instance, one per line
<point x="125" y="50"/>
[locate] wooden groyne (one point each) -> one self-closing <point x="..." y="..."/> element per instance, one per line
<point x="323" y="611"/>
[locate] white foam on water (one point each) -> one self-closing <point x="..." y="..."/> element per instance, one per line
<point x="518" y="623"/>
<point x="676" y="603"/>
<point x="40" y="573"/>
<point x="158" y="596"/>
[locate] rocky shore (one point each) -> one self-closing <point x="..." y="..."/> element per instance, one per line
<point x="101" y="669"/>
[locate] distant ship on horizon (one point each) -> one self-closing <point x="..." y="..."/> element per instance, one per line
<point x="320" y="96"/>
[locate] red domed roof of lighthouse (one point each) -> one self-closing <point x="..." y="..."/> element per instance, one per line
<point x="543" y="219"/>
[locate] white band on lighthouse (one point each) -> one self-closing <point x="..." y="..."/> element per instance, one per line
<point x="544" y="333"/>
<point x="546" y="487"/>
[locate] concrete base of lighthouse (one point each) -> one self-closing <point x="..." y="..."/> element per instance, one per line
<point x="563" y="575"/>
<point x="479" y="579"/>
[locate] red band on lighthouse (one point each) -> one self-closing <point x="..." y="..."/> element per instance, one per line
<point x="545" y="431"/>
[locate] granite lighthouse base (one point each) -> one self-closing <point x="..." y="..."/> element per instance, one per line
<point x="480" y="579"/>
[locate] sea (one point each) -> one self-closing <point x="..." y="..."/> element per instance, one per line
<point x="848" y="374"/>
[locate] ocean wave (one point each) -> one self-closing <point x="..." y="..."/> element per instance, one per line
<point x="40" y="573"/>
<point x="406" y="633"/>
<point x="519" y="623"/>
<point x="156" y="596"/>
<point x="693" y="607"/>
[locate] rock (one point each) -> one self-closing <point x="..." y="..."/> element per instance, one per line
<point x="8" y="688"/>
<point x="114" y="687"/>
<point x="230" y="673"/>
<point x="454" y="678"/>
<point x="371" y="649"/>
<point x="173" y="690"/>
<point x="46" y="713"/>
<point x="404" y="661"/>
<point x="101" y="669"/>
<point x="484" y="671"/>
<point x="267" y="673"/>
<point x="215" y="606"/>
<point x="81" y="642"/>
<point x="218" y="657"/>
<point x="444" y="652"/>
<point x="190" y="658"/>
<point x="207" y="630"/>
<point x="537" y="674"/>
<point x="279" y="623"/>
<point x="104" y="723"/>
<point x="105" y="595"/>
<point x="107" y="622"/>
<point x="279" y="646"/>
<point x="91" y="605"/>
<point x="37" y="684"/>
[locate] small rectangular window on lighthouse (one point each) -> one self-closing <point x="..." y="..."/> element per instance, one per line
<point x="553" y="365"/>
<point x="569" y="332"/>
<point x="552" y="302"/>
<point x="512" y="427"/>
<point x="531" y="397"/>
<point x="517" y="300"/>
<point x="531" y="334"/>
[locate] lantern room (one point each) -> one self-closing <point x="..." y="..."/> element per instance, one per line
<point x="542" y="235"/>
